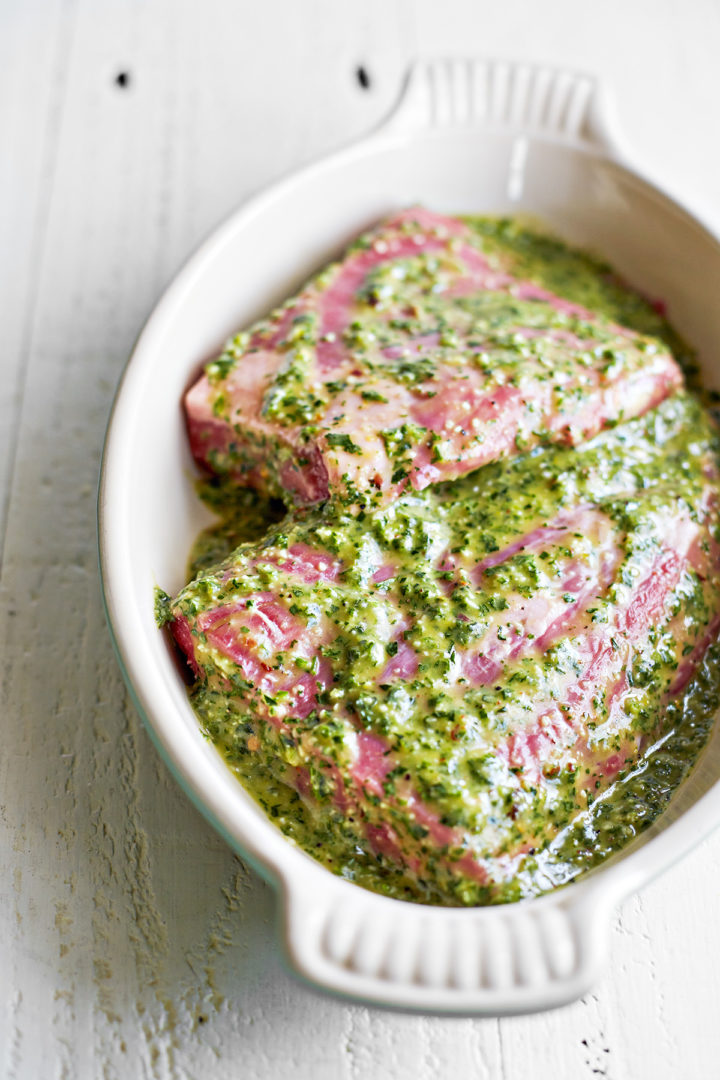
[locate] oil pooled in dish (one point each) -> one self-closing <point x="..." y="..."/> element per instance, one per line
<point x="478" y="653"/>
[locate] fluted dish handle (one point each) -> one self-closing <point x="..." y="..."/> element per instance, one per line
<point x="534" y="99"/>
<point x="516" y="958"/>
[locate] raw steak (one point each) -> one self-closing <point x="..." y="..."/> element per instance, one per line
<point x="416" y="358"/>
<point x="450" y="680"/>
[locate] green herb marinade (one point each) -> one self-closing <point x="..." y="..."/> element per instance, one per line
<point x="478" y="515"/>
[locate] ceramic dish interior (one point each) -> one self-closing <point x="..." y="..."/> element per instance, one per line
<point x="467" y="136"/>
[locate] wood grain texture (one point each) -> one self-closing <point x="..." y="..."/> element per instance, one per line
<point x="132" y="942"/>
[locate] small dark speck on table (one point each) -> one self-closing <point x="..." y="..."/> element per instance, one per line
<point x="122" y="79"/>
<point x="361" y="74"/>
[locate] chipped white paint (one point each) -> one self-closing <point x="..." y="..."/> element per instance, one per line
<point x="132" y="943"/>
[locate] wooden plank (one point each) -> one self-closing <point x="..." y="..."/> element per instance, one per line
<point x="31" y="103"/>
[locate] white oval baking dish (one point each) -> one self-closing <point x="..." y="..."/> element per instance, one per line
<point x="466" y="136"/>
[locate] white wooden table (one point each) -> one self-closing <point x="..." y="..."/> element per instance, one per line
<point x="132" y="942"/>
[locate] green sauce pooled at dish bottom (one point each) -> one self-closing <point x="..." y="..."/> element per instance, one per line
<point x="514" y="493"/>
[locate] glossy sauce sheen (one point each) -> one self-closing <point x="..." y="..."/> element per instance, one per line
<point x="469" y="690"/>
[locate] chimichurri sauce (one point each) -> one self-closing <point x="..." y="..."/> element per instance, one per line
<point x="613" y="822"/>
<point x="481" y="514"/>
<point x="244" y="517"/>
